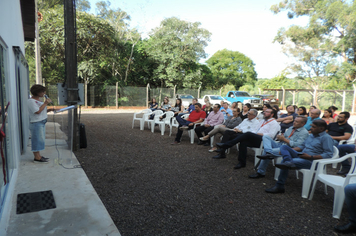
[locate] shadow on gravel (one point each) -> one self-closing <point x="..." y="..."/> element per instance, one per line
<point x="152" y="188"/>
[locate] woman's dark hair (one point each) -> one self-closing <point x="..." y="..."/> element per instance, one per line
<point x="276" y="107"/>
<point x="314" y="107"/>
<point x="304" y="110"/>
<point x="248" y="105"/>
<point x="268" y="106"/>
<point x="274" y="113"/>
<point x="330" y="111"/>
<point x="334" y="108"/>
<point x="37" y="89"/>
<point x="180" y="102"/>
<point x="154" y="99"/>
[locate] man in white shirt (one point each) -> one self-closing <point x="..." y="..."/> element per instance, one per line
<point x="251" y="124"/>
<point x="268" y="126"/>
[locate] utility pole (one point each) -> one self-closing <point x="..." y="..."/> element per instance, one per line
<point x="37" y="49"/>
<point x="71" y="67"/>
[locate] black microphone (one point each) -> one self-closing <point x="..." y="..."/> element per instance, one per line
<point x="47" y="98"/>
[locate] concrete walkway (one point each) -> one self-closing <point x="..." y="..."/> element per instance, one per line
<point x="79" y="210"/>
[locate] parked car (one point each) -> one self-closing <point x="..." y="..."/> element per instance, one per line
<point x="213" y="99"/>
<point x="268" y="99"/>
<point x="186" y="99"/>
<point x="242" y="97"/>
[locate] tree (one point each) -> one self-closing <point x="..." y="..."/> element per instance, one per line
<point x="329" y="34"/>
<point x="177" y="46"/>
<point x="232" y="67"/>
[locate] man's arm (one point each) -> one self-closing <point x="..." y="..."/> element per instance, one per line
<point x="285" y="120"/>
<point x="346" y="136"/>
<point x="195" y="122"/>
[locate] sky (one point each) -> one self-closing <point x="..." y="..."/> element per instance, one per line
<point x="247" y="26"/>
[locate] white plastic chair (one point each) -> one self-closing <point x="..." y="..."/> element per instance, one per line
<point x="258" y="151"/>
<point x="308" y="174"/>
<point x="165" y="121"/>
<point x="156" y="113"/>
<point x="145" y="114"/>
<point x="338" y="183"/>
<point x="351" y="140"/>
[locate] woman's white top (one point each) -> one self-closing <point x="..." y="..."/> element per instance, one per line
<point x="34" y="106"/>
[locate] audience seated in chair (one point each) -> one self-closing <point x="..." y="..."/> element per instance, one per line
<point x="327" y="116"/>
<point x="293" y="137"/>
<point x="317" y="146"/>
<point x="229" y="124"/>
<point x="153" y="105"/>
<point x="178" y="108"/>
<point x="245" y="110"/>
<point x="208" y="108"/>
<point x="264" y="108"/>
<point x="226" y="110"/>
<point x="286" y="120"/>
<point x="268" y="126"/>
<point x="190" y="108"/>
<point x="215" y="118"/>
<point x="314" y="114"/>
<point x="196" y="116"/>
<point x="302" y="111"/>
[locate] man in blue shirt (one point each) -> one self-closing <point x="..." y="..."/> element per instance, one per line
<point x="294" y="137"/>
<point x="226" y="110"/>
<point x="314" y="115"/>
<point x="319" y="145"/>
<point x="286" y="120"/>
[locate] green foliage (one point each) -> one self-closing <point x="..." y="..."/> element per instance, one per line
<point x="329" y="35"/>
<point x="176" y="46"/>
<point x="232" y="67"/>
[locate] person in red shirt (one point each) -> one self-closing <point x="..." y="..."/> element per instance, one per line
<point x="196" y="116"/>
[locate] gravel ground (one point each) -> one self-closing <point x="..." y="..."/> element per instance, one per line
<point x="152" y="188"/>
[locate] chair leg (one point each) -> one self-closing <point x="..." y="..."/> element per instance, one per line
<point x="152" y="127"/>
<point x="307" y="178"/>
<point x="141" y="125"/>
<point x="212" y="141"/>
<point x="192" y="136"/>
<point x="339" y="198"/>
<point x="163" y="127"/>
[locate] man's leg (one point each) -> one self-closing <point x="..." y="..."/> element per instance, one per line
<point x="199" y="129"/>
<point x="269" y="144"/>
<point x="350" y="199"/>
<point x="228" y="135"/>
<point x="300" y="164"/>
<point x="344" y="150"/>
<point x="248" y="140"/>
<point x="181" y="122"/>
<point x="288" y="153"/>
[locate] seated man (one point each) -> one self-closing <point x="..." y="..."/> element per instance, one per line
<point x="287" y="119"/>
<point x="295" y="136"/>
<point x="226" y="110"/>
<point x="229" y="124"/>
<point x="339" y="131"/>
<point x="313" y="115"/>
<point x="345" y="149"/>
<point x="196" y="116"/>
<point x="190" y="108"/>
<point x="214" y="118"/>
<point x="318" y="145"/>
<point x="350" y="200"/>
<point x="268" y="126"/>
<point x="250" y="124"/>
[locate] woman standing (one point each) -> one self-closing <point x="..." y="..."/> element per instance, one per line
<point x="38" y="119"/>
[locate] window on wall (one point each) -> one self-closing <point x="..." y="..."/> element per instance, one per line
<point x="21" y="71"/>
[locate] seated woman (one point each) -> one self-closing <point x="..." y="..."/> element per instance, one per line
<point x="233" y="105"/>
<point x="230" y="123"/>
<point x="302" y="111"/>
<point x="178" y="108"/>
<point x="208" y="108"/>
<point x="333" y="109"/>
<point x="153" y="105"/>
<point x="276" y="108"/>
<point x="328" y="116"/>
<point x="245" y="109"/>
<point x="165" y="105"/>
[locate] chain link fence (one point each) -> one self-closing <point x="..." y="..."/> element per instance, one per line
<point x="106" y="95"/>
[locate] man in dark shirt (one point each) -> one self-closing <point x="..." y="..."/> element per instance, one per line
<point x="287" y="119"/>
<point x="340" y="131"/>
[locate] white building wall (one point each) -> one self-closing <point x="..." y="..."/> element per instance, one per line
<point x="11" y="34"/>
